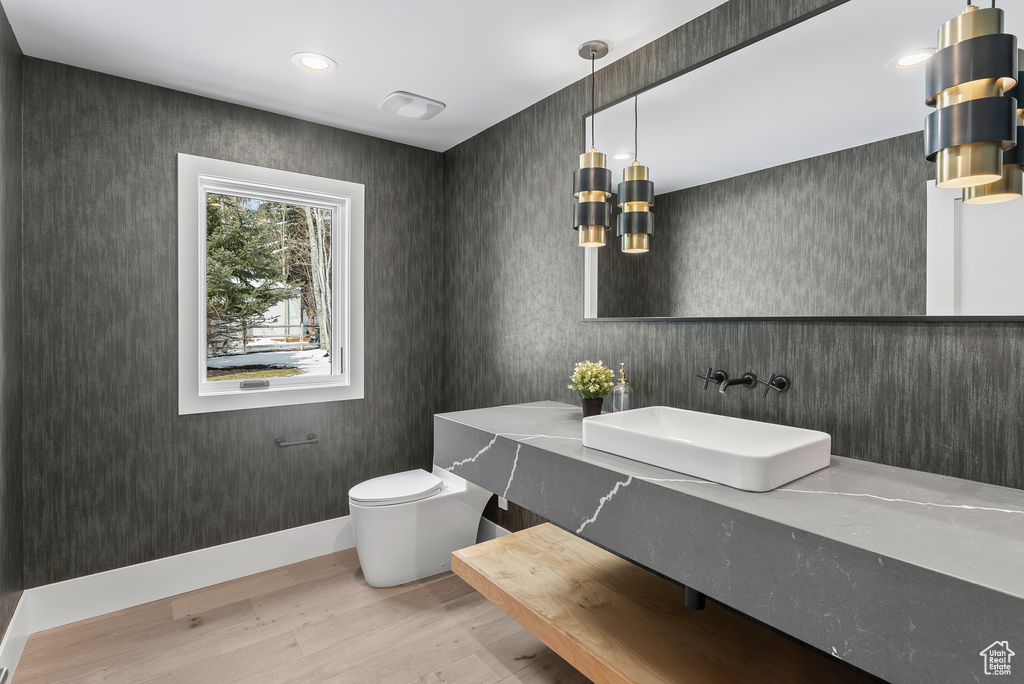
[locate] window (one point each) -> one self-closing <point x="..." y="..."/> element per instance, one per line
<point x="270" y="287"/>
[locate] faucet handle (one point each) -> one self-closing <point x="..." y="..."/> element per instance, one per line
<point x="710" y="375"/>
<point x="779" y="383"/>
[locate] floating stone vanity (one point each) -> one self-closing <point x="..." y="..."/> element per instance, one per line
<point x="907" y="575"/>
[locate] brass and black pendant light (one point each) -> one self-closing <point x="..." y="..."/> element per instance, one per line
<point x="1011" y="185"/>
<point x="592" y="184"/>
<point x="967" y="79"/>
<point x="636" y="197"/>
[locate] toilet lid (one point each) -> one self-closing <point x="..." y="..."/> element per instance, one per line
<point x="411" y="485"/>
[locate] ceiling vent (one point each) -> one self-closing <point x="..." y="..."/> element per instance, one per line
<point x="411" y="106"/>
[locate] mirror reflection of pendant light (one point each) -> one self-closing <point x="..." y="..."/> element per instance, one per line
<point x="592" y="184"/>
<point x="636" y="197"/>
<point x="966" y="80"/>
<point x="1011" y="185"/>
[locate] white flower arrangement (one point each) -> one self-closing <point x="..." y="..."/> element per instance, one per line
<point x="592" y="380"/>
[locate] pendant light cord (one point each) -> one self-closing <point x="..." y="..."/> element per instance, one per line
<point x="636" y="130"/>
<point x="593" y="96"/>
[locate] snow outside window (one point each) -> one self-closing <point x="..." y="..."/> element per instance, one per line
<point x="270" y="287"/>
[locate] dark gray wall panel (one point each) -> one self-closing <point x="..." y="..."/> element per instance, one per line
<point x="939" y="397"/>
<point x="113" y="475"/>
<point x="843" y="234"/>
<point x="10" y="323"/>
<point x="726" y="28"/>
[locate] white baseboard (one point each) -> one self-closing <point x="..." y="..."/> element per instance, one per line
<point x="16" y="636"/>
<point x="62" y="603"/>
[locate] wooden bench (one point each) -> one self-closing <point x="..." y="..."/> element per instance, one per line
<point x="616" y="622"/>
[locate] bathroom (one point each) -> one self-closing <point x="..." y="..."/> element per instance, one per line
<point x="473" y="299"/>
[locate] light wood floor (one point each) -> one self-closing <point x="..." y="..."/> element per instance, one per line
<point x="315" y="621"/>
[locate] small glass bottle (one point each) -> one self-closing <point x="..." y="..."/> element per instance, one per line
<point x="622" y="394"/>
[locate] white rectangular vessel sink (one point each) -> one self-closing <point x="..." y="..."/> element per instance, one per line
<point x="745" y="454"/>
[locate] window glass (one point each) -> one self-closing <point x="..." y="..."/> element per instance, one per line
<point x="268" y="288"/>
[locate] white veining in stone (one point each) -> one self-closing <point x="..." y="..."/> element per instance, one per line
<point x="857" y="495"/>
<point x="676" y="479"/>
<point x="907" y="501"/>
<point x="463" y="462"/>
<point x="523" y="437"/>
<point x="511" y="475"/>
<point x="605" y="499"/>
<point x="799" y="566"/>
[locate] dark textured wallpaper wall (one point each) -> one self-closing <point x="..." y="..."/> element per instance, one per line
<point x="10" y="323"/>
<point x="474" y="298"/>
<point x="842" y="234"/>
<point x="113" y="475"/>
<point x="939" y="397"/>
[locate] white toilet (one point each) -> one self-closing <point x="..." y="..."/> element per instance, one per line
<point x="406" y="525"/>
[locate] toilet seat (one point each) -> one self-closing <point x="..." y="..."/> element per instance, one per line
<point x="399" y="488"/>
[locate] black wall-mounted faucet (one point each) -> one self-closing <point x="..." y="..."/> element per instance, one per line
<point x="778" y="383"/>
<point x="747" y="380"/>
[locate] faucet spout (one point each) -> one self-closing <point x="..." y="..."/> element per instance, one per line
<point x="747" y="380"/>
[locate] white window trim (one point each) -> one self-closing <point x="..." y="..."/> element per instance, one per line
<point x="195" y="176"/>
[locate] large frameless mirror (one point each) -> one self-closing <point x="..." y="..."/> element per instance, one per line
<point x="791" y="182"/>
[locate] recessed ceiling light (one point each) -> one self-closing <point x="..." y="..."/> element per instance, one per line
<point x="622" y="156"/>
<point x="914" y="58"/>
<point x="315" y="62"/>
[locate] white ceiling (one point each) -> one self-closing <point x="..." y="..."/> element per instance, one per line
<point x="485" y="59"/>
<point x="817" y="87"/>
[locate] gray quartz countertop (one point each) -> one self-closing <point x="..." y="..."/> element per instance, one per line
<point x="908" y="575"/>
